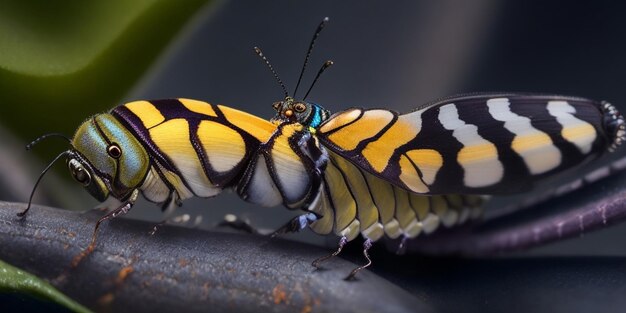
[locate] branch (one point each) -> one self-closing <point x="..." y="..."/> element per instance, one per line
<point x="186" y="269"/>
<point x="595" y="205"/>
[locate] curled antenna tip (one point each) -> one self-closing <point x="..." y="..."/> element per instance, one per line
<point x="326" y="19"/>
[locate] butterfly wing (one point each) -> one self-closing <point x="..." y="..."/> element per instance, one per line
<point x="470" y="144"/>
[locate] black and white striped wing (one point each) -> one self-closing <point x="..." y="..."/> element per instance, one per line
<point x="476" y="144"/>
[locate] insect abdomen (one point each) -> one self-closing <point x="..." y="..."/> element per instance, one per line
<point x="198" y="149"/>
<point x="195" y="148"/>
<point x="352" y="202"/>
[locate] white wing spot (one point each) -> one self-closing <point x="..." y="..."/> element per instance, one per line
<point x="534" y="146"/>
<point x="575" y="130"/>
<point x="478" y="157"/>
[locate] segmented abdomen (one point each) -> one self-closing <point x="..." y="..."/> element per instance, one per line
<point x="352" y="201"/>
<point x="198" y="149"/>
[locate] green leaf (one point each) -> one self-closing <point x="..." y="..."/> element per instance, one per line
<point x="61" y="61"/>
<point x="12" y="279"/>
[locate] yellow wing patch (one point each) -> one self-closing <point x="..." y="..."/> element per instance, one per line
<point x="538" y="151"/>
<point x="370" y="124"/>
<point x="409" y="176"/>
<point x="477" y="153"/>
<point x="223" y="145"/>
<point x="522" y="144"/>
<point x="350" y="128"/>
<point x="340" y="119"/>
<point x="428" y="161"/>
<point x="575" y="130"/>
<point x="255" y="126"/>
<point x="149" y="115"/>
<point x="379" y="152"/>
<point x="172" y="138"/>
<point x="198" y="107"/>
<point x="582" y="135"/>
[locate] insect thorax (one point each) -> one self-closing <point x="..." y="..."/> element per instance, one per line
<point x="286" y="169"/>
<point x="306" y="113"/>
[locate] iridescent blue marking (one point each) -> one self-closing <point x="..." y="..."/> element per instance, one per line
<point x="118" y="134"/>
<point x="306" y="219"/>
<point x="93" y="144"/>
<point x="93" y="140"/>
<point x="131" y="154"/>
<point x="317" y="117"/>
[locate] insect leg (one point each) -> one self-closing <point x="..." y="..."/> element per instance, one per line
<point x="168" y="208"/>
<point x="123" y="209"/>
<point x="366" y="246"/>
<point x="402" y="245"/>
<point x="296" y="224"/>
<point x="342" y="243"/>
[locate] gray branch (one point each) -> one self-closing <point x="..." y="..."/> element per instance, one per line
<point x="186" y="269"/>
<point x="592" y="206"/>
<point x="193" y="270"/>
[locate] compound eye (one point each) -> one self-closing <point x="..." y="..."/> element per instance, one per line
<point x="79" y="173"/>
<point x="299" y="107"/>
<point x="114" y="151"/>
<point x="82" y="177"/>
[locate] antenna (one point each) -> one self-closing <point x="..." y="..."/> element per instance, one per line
<point x="308" y="54"/>
<point x="258" y="51"/>
<point x="42" y="137"/>
<point x="32" y="193"/>
<point x="326" y="65"/>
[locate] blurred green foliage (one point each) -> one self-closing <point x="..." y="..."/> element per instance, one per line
<point x="63" y="60"/>
<point x="15" y="280"/>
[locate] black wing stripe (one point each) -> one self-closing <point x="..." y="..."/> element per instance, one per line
<point x="492" y="130"/>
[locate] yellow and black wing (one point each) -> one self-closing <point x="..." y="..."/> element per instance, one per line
<point x="477" y="144"/>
